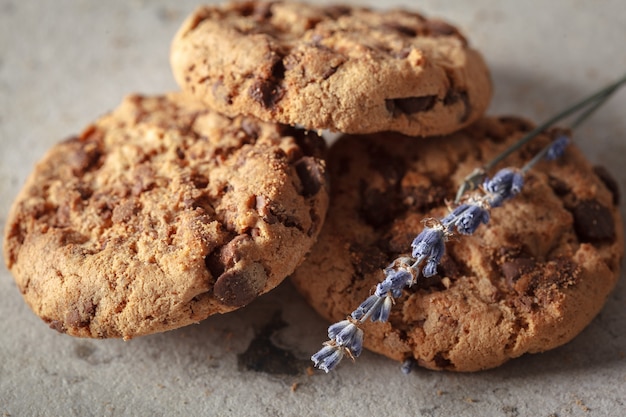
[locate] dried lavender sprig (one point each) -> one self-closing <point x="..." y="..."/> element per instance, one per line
<point x="591" y="103"/>
<point x="345" y="337"/>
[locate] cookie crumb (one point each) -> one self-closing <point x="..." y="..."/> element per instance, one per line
<point x="294" y="386"/>
<point x="581" y="405"/>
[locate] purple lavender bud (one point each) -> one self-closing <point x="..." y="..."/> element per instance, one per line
<point x="351" y="338"/>
<point x="382" y="312"/>
<point x="557" y="148"/>
<point x="430" y="269"/>
<point x="365" y="307"/>
<point x="327" y="358"/>
<point x="336" y="328"/>
<point x="348" y="335"/>
<point x="469" y="218"/>
<point x="407" y="366"/>
<point x="507" y="183"/>
<point x="396" y="292"/>
<point x="429" y="243"/>
<point x="396" y="279"/>
<point x="495" y="200"/>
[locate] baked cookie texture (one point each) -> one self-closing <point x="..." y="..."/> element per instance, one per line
<point x="343" y="68"/>
<point x="162" y="213"/>
<point x="528" y="281"/>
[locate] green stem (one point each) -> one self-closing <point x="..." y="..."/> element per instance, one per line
<point x="594" y="101"/>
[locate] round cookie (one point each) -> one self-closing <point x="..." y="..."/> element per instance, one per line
<point x="343" y="68"/>
<point x="528" y="281"/>
<point x="162" y="213"/>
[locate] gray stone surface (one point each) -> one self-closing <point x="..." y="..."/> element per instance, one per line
<point x="65" y="62"/>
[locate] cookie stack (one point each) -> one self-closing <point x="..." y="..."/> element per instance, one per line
<point x="175" y="207"/>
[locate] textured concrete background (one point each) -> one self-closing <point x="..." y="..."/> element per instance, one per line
<point x="65" y="62"/>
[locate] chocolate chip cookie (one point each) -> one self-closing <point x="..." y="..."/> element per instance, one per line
<point x="527" y="281"/>
<point x="343" y="68"/>
<point x="162" y="213"/>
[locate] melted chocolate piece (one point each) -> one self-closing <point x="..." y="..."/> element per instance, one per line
<point x="267" y="89"/>
<point x="310" y="174"/>
<point x="593" y="222"/>
<point x="239" y="287"/>
<point x="410" y="105"/>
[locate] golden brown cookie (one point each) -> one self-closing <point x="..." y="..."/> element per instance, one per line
<point x="527" y="281"/>
<point x="343" y="68"/>
<point x="162" y="213"/>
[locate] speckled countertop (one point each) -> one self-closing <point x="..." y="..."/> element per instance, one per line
<point x="65" y="62"/>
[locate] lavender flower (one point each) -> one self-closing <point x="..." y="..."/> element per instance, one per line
<point x="467" y="217"/>
<point x="407" y="366"/>
<point x="507" y="183"/>
<point x="346" y="334"/>
<point x="345" y="339"/>
<point x="557" y="148"/>
<point x="396" y="279"/>
<point x="429" y="245"/>
<point x="374" y="307"/>
<point x="328" y="357"/>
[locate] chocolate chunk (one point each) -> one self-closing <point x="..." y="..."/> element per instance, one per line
<point x="83" y="190"/>
<point x="397" y="27"/>
<point x="81" y="315"/>
<point x="410" y="105"/>
<point x="310" y="143"/>
<point x="263" y="207"/>
<point x="58" y="326"/>
<point x="238" y="287"/>
<point x="559" y="187"/>
<point x="608" y="180"/>
<point x="593" y="222"/>
<point x="258" y="10"/>
<point x="82" y="156"/>
<point x="199" y="180"/>
<point x="311" y="175"/>
<point x="438" y="28"/>
<point x="202" y="202"/>
<point x="267" y="89"/>
<point x="214" y="264"/>
<point x="336" y="11"/>
<point x="283" y="216"/>
<point x="453" y="96"/>
<point x="515" y="268"/>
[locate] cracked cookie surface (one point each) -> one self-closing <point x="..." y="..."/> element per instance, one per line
<point x="528" y="281"/>
<point x="162" y="213"/>
<point x="343" y="68"/>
